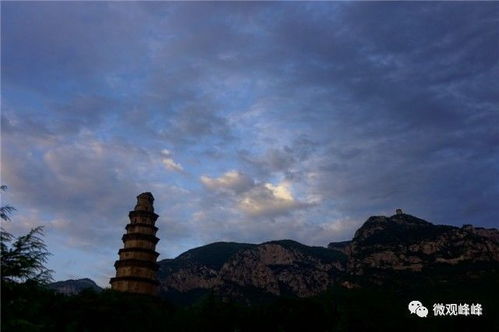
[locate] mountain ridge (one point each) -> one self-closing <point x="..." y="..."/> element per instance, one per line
<point x="74" y="286"/>
<point x="383" y="251"/>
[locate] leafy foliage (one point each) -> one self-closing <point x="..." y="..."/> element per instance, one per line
<point x="6" y="210"/>
<point x="22" y="258"/>
<point x="25" y="258"/>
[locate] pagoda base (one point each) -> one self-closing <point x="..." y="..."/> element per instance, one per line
<point x="135" y="285"/>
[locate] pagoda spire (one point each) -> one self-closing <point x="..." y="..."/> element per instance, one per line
<point x="136" y="268"/>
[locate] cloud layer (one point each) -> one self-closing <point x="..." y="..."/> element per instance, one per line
<point x="248" y="121"/>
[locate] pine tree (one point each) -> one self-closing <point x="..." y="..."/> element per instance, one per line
<point x="22" y="258"/>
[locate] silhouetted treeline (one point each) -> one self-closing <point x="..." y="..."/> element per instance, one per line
<point x="31" y="307"/>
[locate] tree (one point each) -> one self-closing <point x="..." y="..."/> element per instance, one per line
<point x="6" y="210"/>
<point x="22" y="258"/>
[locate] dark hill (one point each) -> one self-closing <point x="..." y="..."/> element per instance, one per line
<point x="72" y="287"/>
<point x="399" y="247"/>
<point x="403" y="242"/>
<point x="213" y="255"/>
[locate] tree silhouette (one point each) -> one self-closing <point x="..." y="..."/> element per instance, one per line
<point x="22" y="258"/>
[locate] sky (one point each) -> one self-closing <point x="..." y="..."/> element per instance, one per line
<point x="248" y="121"/>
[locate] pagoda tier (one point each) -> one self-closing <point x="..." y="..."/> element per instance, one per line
<point x="136" y="269"/>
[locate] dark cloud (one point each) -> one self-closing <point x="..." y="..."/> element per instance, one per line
<point x="59" y="47"/>
<point x="83" y="112"/>
<point x="195" y="122"/>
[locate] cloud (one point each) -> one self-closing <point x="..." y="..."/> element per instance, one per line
<point x="232" y="180"/>
<point x="196" y="121"/>
<point x="83" y="112"/>
<point x="290" y="159"/>
<point x="268" y="200"/>
<point x="70" y="57"/>
<point x="60" y="223"/>
<point x="252" y="198"/>
<point x="172" y="165"/>
<point x="169" y="162"/>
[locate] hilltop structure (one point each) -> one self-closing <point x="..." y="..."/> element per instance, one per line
<point x="136" y="269"/>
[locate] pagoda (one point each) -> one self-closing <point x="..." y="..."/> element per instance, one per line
<point x="136" y="268"/>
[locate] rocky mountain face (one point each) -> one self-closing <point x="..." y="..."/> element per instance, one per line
<point x="404" y="242"/>
<point x="400" y="243"/>
<point x="244" y="271"/>
<point x="72" y="287"/>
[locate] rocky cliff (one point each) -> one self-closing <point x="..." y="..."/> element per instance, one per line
<point x="245" y="271"/>
<point x="400" y="243"/>
<point x="404" y="242"/>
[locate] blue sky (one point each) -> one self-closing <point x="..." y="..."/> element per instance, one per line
<point x="248" y="122"/>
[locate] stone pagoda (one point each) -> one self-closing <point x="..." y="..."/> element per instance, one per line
<point x="136" y="269"/>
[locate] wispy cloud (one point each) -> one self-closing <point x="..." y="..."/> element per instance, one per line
<point x="231" y="180"/>
<point x="168" y="161"/>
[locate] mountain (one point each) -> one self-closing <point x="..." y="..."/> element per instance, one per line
<point x="393" y="250"/>
<point x="385" y="250"/>
<point x="364" y="284"/>
<point x="72" y="287"/>
<point x="404" y="242"/>
<point x="396" y="251"/>
<point x="249" y="271"/>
